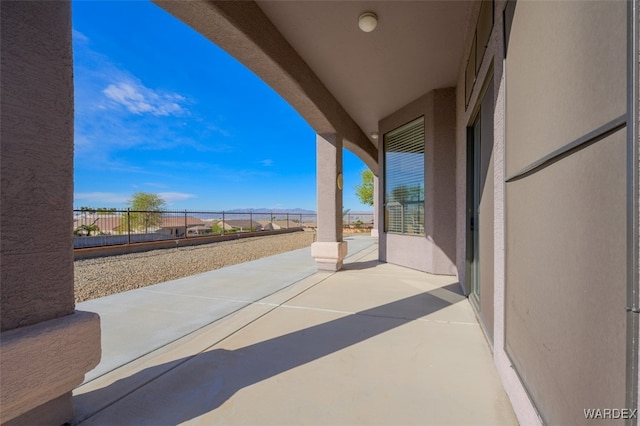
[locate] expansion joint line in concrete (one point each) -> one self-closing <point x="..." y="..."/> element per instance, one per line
<point x="189" y="358"/>
<point x="361" y="253"/>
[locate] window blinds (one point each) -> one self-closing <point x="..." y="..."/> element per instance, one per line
<point x="404" y="179"/>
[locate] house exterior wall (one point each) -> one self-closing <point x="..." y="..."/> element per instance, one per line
<point x="435" y="251"/>
<point x="559" y="251"/>
<point x="37" y="147"/>
<point x="558" y="234"/>
<point x="45" y="348"/>
<point x="566" y="226"/>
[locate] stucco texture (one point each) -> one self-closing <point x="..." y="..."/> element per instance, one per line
<point x="36" y="163"/>
<point x="566" y="223"/>
<point x="434" y="252"/>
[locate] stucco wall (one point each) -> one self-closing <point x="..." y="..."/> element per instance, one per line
<point x="566" y="230"/>
<point x="434" y="252"/>
<point x="36" y="163"/>
<point x="45" y="348"/>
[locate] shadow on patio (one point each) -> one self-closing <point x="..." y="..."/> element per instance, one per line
<point x="329" y="353"/>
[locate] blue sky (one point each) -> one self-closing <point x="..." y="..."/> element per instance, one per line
<point x="161" y="109"/>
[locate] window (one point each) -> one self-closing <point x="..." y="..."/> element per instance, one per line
<point x="404" y="179"/>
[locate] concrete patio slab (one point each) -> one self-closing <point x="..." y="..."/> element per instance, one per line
<point x="379" y="284"/>
<point x="368" y="345"/>
<point x="139" y="321"/>
<point x="132" y="375"/>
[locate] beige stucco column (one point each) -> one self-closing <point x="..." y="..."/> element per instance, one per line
<point x="375" y="234"/>
<point x="46" y="346"/>
<point x="329" y="251"/>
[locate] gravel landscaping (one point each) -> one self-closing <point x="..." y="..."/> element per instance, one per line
<point x="100" y="277"/>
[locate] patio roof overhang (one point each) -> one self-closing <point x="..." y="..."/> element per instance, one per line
<point x="340" y="79"/>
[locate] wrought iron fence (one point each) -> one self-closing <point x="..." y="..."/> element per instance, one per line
<point x="358" y="221"/>
<point x="105" y="227"/>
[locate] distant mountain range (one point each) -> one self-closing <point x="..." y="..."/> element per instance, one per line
<point x="296" y="211"/>
<point x="263" y="210"/>
<point x="205" y="213"/>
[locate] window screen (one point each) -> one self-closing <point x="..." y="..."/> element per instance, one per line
<point x="404" y="179"/>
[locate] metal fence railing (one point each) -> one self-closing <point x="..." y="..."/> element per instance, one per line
<point x="106" y="227"/>
<point x="358" y="221"/>
<point x="93" y="228"/>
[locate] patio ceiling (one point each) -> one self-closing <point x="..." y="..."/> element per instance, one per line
<point x="416" y="47"/>
<point x="340" y="79"/>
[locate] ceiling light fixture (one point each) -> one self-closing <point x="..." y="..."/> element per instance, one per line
<point x="375" y="135"/>
<point x="368" y="22"/>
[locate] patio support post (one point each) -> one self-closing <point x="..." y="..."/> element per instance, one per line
<point x="329" y="251"/>
<point x="374" y="230"/>
<point x="46" y="346"/>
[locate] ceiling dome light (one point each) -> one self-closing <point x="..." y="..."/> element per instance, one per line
<point x="368" y="22"/>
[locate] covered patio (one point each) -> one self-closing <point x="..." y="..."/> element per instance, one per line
<point x="374" y="344"/>
<point x="511" y="127"/>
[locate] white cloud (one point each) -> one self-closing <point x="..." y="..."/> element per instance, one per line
<point x="79" y="37"/>
<point x="116" y="113"/>
<point x="139" y="99"/>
